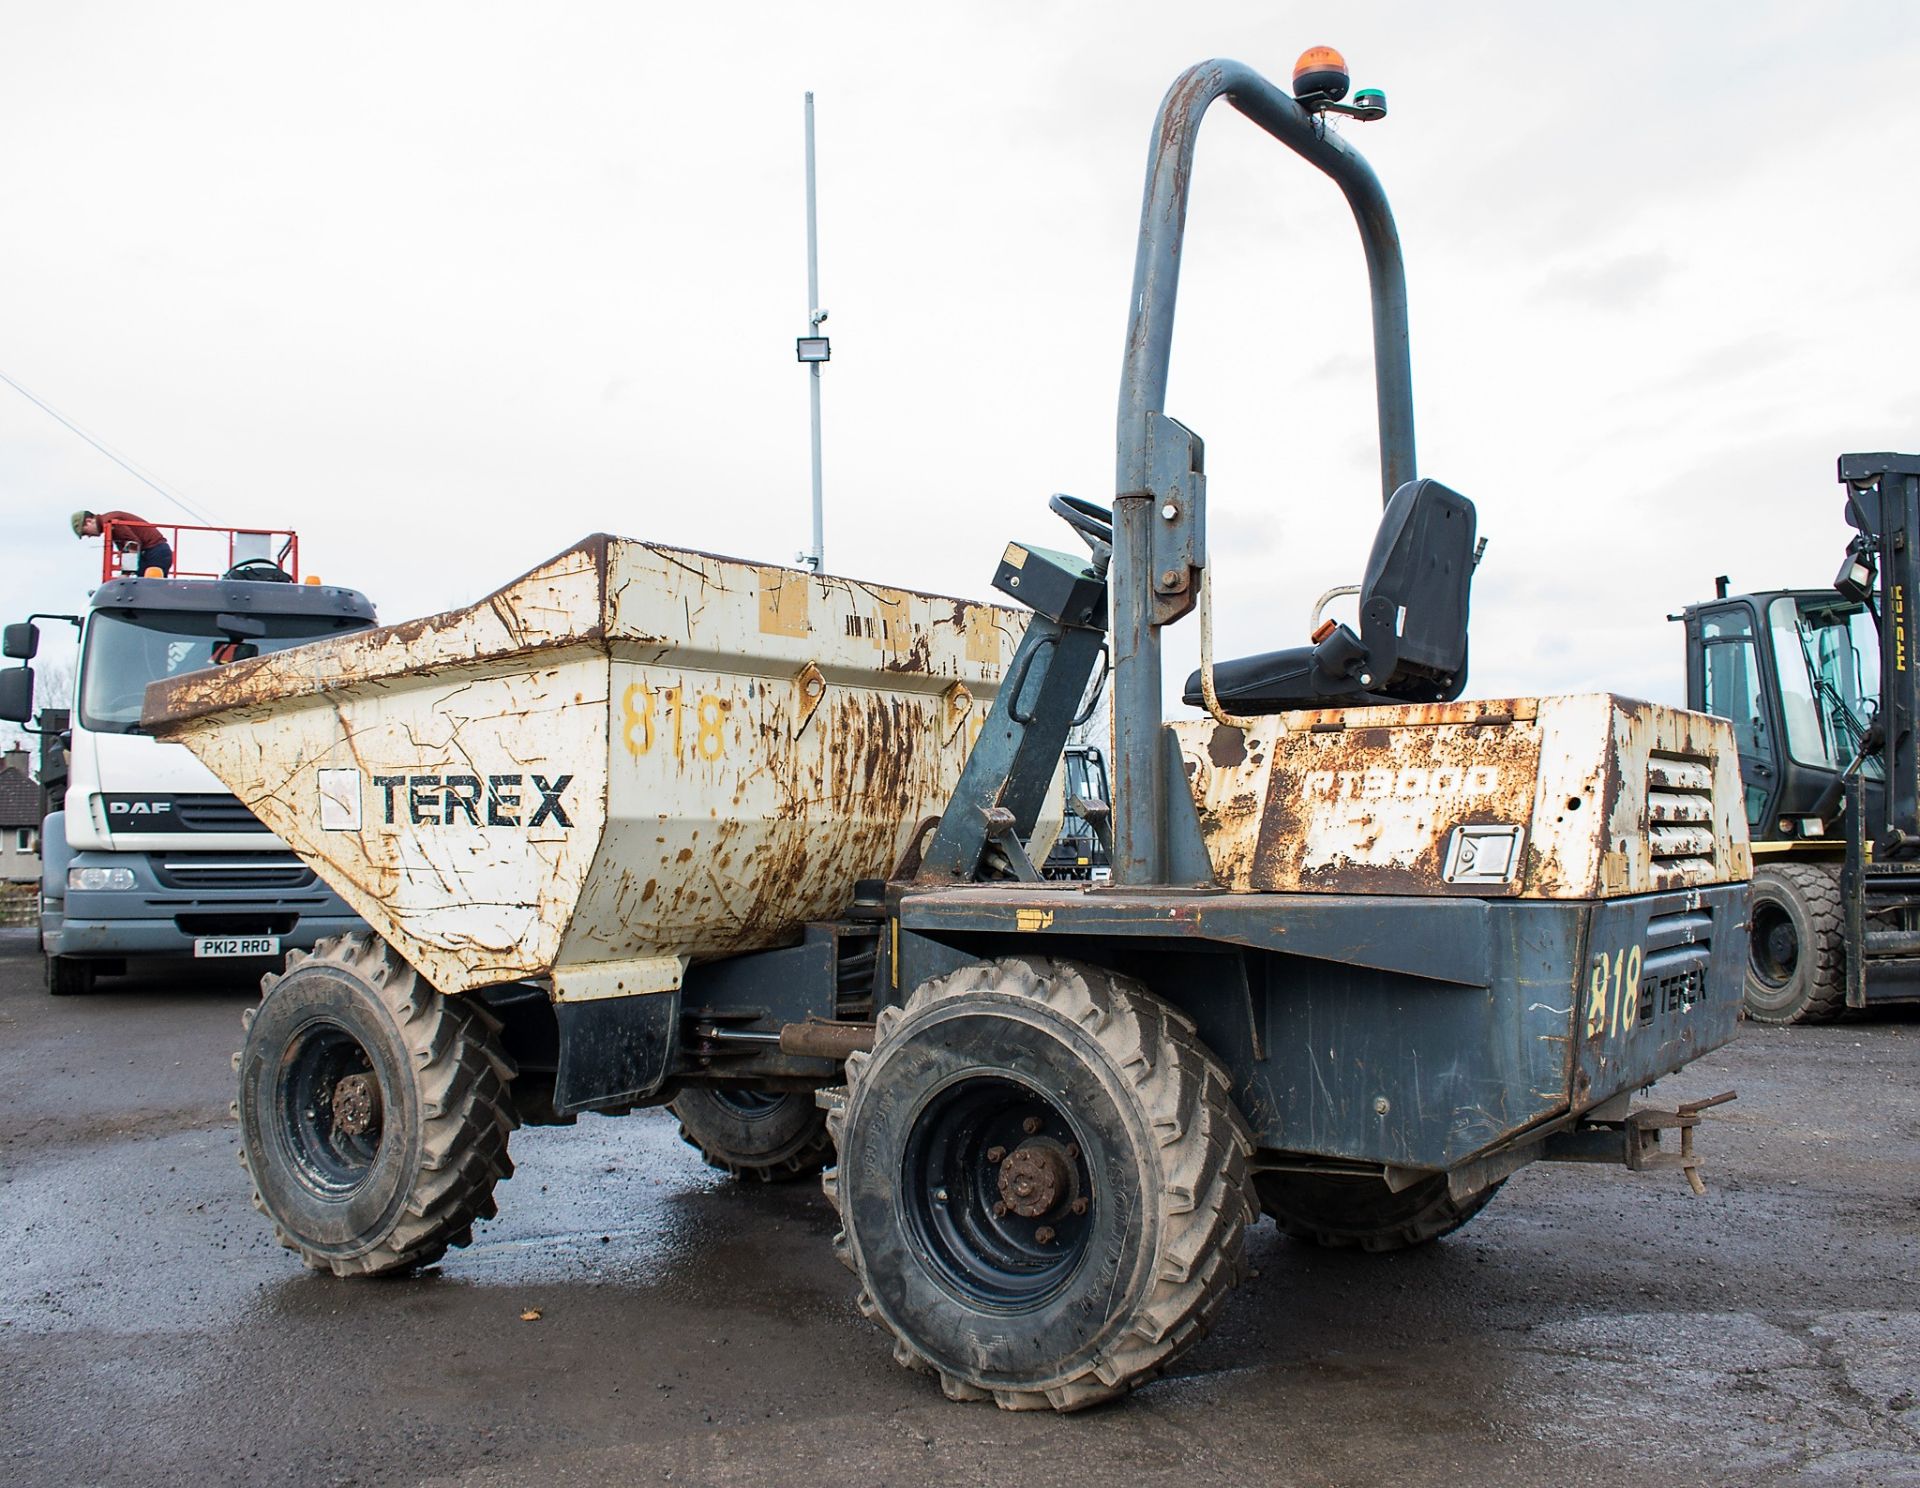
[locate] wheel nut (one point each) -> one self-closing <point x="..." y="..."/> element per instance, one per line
<point x="994" y="1154"/>
<point x="1044" y="1235"/>
<point x="1000" y="1210"/>
<point x="1079" y="1206"/>
<point x="1030" y="1125"/>
<point x="1073" y="1151"/>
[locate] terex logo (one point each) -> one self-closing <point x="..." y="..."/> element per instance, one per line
<point x="1411" y="784"/>
<point x="455" y="800"/>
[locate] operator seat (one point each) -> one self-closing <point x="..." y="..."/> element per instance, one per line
<point x="1412" y="646"/>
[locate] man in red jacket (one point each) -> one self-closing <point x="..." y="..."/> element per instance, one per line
<point x="128" y="530"/>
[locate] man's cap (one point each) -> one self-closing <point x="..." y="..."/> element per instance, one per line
<point x="79" y="521"/>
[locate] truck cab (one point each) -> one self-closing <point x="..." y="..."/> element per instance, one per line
<point x="151" y="855"/>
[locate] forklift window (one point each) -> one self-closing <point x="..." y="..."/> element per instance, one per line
<point x="1732" y="689"/>
<point x="1086" y="777"/>
<point x="1828" y="657"/>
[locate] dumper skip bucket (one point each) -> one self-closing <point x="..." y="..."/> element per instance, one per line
<point x="631" y="757"/>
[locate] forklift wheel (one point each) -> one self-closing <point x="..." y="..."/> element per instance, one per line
<point x="373" y="1112"/>
<point x="1042" y="1180"/>
<point x="1797" y="949"/>
<point x="68" y="977"/>
<point x="1340" y="1211"/>
<point x="754" y="1134"/>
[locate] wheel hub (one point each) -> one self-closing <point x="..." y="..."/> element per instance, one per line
<point x="329" y="1107"/>
<point x="1775" y="946"/>
<point x="998" y="1192"/>
<point x="1034" y="1177"/>
<point x="356" y="1105"/>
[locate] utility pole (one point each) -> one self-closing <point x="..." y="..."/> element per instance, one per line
<point x="815" y="351"/>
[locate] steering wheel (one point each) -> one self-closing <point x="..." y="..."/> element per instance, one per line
<point x="1093" y="522"/>
<point x="259" y="570"/>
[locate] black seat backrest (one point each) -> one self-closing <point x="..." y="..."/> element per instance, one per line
<point x="1422" y="564"/>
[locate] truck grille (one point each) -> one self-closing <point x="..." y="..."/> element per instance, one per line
<point x="1680" y="816"/>
<point x="215" y="813"/>
<point x="273" y="871"/>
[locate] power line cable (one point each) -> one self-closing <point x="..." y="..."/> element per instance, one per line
<point x="125" y="464"/>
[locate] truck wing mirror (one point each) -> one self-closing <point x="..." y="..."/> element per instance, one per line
<point x="21" y="641"/>
<point x="16" y="693"/>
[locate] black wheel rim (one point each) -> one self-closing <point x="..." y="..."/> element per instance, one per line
<point x="1775" y="953"/>
<point x="955" y="1186"/>
<point x="332" y="1151"/>
<point x="751" y="1105"/>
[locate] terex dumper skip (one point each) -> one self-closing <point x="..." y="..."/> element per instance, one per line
<point x="647" y="825"/>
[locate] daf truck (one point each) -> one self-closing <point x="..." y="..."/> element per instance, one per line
<point x="151" y="855"/>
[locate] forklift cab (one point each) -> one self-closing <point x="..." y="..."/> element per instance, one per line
<point x="1797" y="672"/>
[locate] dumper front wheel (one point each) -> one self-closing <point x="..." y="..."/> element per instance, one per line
<point x="1342" y="1211"/>
<point x="767" y="1136"/>
<point x="374" y="1112"/>
<point x="1042" y="1181"/>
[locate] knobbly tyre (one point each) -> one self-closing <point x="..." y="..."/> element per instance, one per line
<point x="1366" y="951"/>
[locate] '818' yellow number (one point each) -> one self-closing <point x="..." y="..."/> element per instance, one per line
<point x="637" y="727"/>
<point x="1613" y="992"/>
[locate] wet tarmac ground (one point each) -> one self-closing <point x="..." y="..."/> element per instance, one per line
<point x="1591" y="1326"/>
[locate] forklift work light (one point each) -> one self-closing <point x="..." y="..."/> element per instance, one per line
<point x="1856" y="577"/>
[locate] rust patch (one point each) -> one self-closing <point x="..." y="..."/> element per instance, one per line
<point x="1608" y="796"/>
<point x="1227" y="747"/>
<point x="1371" y="810"/>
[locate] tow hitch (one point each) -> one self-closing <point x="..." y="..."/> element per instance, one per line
<point x="1635" y="1139"/>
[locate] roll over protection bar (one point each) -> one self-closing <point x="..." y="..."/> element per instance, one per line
<point x="1142" y="579"/>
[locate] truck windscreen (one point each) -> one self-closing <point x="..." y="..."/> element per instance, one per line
<point x="125" y="650"/>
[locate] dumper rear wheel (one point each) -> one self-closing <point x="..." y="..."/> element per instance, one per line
<point x="767" y="1136"/>
<point x="374" y="1112"/>
<point x="1042" y="1180"/>
<point x="1340" y="1211"/>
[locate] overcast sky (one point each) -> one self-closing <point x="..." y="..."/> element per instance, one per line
<point x="447" y="287"/>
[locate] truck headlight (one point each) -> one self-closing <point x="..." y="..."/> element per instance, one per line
<point x="100" y="878"/>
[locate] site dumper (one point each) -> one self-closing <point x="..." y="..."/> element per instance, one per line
<point x="621" y="830"/>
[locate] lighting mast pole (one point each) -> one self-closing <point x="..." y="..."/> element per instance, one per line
<point x="815" y="351"/>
